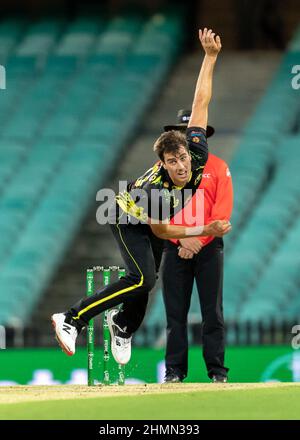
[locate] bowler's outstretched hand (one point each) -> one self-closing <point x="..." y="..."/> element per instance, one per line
<point x="210" y="42"/>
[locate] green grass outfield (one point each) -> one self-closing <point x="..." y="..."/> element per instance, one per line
<point x="152" y="402"/>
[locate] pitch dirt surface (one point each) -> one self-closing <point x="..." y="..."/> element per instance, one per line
<point x="187" y="401"/>
<point x="19" y="394"/>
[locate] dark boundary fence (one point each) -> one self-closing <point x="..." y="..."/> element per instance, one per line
<point x="271" y="332"/>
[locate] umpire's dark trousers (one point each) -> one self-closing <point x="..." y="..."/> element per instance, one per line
<point x="178" y="277"/>
<point x="141" y="251"/>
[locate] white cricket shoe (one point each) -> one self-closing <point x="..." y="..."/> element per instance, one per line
<point x="66" y="333"/>
<point x="120" y="346"/>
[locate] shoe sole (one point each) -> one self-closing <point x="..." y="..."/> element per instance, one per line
<point x="111" y="333"/>
<point x="60" y="343"/>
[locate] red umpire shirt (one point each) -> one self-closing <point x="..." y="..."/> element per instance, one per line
<point x="218" y="195"/>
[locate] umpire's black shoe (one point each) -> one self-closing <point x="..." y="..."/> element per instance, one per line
<point x="173" y="377"/>
<point x="218" y="378"/>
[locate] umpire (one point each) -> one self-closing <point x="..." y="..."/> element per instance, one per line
<point x="200" y="259"/>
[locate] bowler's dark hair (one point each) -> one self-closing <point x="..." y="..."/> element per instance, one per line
<point x="170" y="142"/>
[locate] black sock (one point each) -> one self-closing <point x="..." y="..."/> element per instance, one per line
<point x="78" y="324"/>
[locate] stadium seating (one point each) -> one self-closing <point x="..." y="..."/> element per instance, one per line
<point x="40" y="38"/>
<point x="76" y="85"/>
<point x="266" y="209"/>
<point x="10" y="32"/>
<point x="73" y="87"/>
<point x="262" y="261"/>
<point x="276" y="288"/>
<point x="264" y="235"/>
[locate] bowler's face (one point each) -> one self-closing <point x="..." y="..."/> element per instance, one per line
<point x="178" y="165"/>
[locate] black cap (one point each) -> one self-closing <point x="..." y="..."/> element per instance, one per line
<point x="183" y="117"/>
